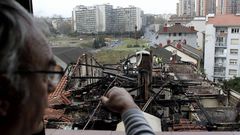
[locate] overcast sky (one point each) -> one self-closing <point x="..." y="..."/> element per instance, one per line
<point x="64" y="7"/>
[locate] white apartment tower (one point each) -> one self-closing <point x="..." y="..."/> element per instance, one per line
<point x="92" y="19"/>
<point x="103" y="18"/>
<point x="84" y="19"/>
<point x="186" y="8"/>
<point x="125" y="19"/>
<point x="222" y="47"/>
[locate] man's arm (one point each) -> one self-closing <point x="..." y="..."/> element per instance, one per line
<point x="119" y="100"/>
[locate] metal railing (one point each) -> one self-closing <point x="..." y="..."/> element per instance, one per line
<point x="220" y="64"/>
<point x="221" y="44"/>
<point x="221" y="74"/>
<point x="220" y="55"/>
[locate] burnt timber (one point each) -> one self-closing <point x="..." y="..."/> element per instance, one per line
<point x="177" y="93"/>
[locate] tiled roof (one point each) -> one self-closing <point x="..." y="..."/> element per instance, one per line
<point x="225" y="20"/>
<point x="68" y="54"/>
<point x="164" y="54"/>
<point x="177" y="28"/>
<point x="184" y="51"/>
<point x="193" y="52"/>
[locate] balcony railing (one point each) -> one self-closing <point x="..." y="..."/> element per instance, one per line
<point x="222" y="34"/>
<point x="220" y="64"/>
<point x="219" y="74"/>
<point x="221" y="44"/>
<point x="220" y="55"/>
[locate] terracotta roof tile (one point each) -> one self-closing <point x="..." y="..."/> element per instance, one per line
<point x="225" y="20"/>
<point x="177" y="28"/>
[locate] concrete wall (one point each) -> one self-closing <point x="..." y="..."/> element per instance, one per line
<point x="191" y="38"/>
<point x="139" y="19"/>
<point x="209" y="51"/>
<point x="199" y="25"/>
<point x="100" y="18"/>
<point x="209" y="102"/>
<point x="229" y="56"/>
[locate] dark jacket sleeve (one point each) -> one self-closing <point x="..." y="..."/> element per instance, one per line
<point x="135" y="123"/>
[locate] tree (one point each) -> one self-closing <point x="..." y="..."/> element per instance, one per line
<point x="99" y="42"/>
<point x="64" y="27"/>
<point x="46" y="25"/>
<point x="233" y="84"/>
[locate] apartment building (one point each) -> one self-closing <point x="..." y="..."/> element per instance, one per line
<point x="92" y="19"/>
<point x="222" y="47"/>
<point x="205" y="7"/>
<point x="103" y="18"/>
<point x="199" y="24"/>
<point x="177" y="9"/>
<point x="125" y="19"/>
<point x="228" y="7"/>
<point x="186" y="8"/>
<point x="178" y="34"/>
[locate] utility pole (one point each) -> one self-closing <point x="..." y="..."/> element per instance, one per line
<point x="136" y="34"/>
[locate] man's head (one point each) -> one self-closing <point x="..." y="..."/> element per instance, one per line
<point x="23" y="48"/>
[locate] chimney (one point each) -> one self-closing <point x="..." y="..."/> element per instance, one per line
<point x="179" y="46"/>
<point x="160" y="45"/>
<point x="184" y="41"/>
<point x="165" y="29"/>
<point x="168" y="42"/>
<point x="192" y="28"/>
<point x="174" y="57"/>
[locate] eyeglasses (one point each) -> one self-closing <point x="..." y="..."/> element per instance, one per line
<point x="51" y="75"/>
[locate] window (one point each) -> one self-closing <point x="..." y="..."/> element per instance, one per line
<point x="219" y="39"/>
<point x="234" y="41"/>
<point x="233" y="61"/>
<point x="170" y="34"/>
<point x="234" y="51"/>
<point x="235" y="30"/>
<point x="180" y="34"/>
<point x="233" y="72"/>
<point x="174" y="34"/>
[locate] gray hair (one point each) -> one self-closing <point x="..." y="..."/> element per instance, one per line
<point x="17" y="27"/>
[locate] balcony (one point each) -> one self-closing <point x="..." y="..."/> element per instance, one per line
<point x="219" y="74"/>
<point x="220" y="54"/>
<point x="221" y="34"/>
<point x="221" y="44"/>
<point x="220" y="65"/>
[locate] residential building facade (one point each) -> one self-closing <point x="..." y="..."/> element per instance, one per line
<point x="199" y="24"/>
<point x="205" y="7"/>
<point x="222" y="47"/>
<point x="177" y="33"/>
<point x="179" y="19"/>
<point x="228" y="7"/>
<point x="84" y="19"/>
<point x="103" y="18"/>
<point x="186" y="8"/>
<point x="177" y="9"/>
<point x="125" y="19"/>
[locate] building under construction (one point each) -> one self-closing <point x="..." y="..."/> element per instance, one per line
<point x="175" y="94"/>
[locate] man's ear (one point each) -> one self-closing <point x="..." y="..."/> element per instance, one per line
<point x="4" y="106"/>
